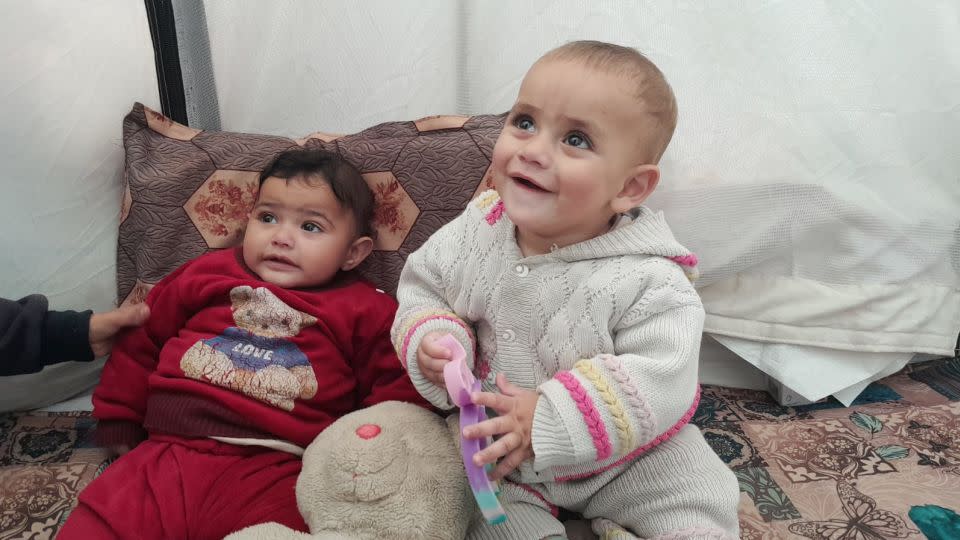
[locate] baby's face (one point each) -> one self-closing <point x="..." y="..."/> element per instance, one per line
<point x="567" y="149"/>
<point x="298" y="234"/>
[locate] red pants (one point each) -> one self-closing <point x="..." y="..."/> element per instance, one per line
<point x="168" y="487"/>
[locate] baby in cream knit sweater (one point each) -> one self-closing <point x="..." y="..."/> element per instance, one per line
<point x="576" y="308"/>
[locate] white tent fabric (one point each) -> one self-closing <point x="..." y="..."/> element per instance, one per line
<point x="815" y="168"/>
<point x="70" y="72"/>
<point x="291" y="68"/>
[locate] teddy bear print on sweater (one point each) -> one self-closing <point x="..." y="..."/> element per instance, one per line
<point x="255" y="358"/>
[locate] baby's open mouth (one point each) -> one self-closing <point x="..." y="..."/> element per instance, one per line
<point x="279" y="260"/>
<point x="528" y="184"/>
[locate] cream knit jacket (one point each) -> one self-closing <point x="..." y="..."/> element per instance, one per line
<point x="607" y="331"/>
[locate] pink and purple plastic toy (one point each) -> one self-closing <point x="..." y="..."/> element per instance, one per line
<point x="460" y="383"/>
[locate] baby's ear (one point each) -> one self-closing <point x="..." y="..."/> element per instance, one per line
<point x="359" y="250"/>
<point x="240" y="295"/>
<point x="306" y="320"/>
<point x="638" y="186"/>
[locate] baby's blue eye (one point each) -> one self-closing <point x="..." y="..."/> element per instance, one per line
<point x="524" y="123"/>
<point x="577" y="140"/>
<point x="311" y="227"/>
<point x="268" y="218"/>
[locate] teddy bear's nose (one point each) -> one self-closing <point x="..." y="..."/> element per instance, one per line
<point x="368" y="431"/>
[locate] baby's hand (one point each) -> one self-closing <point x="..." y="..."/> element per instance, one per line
<point x="431" y="357"/>
<point x="104" y="326"/>
<point x="516" y="407"/>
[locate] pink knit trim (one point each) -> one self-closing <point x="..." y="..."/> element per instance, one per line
<point x="641" y="411"/>
<point x="493" y="216"/>
<point x="598" y="431"/>
<point x="686" y="260"/>
<point x="665" y="436"/>
<point x="706" y="532"/>
<point x="413" y="329"/>
<point x="553" y="508"/>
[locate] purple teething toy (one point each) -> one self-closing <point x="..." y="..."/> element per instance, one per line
<point x="460" y="383"/>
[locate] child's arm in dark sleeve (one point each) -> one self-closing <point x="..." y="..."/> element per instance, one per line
<point x="32" y="337"/>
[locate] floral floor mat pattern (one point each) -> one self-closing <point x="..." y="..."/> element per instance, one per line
<point x="886" y="467"/>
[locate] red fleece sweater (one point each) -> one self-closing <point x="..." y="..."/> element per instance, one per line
<point x="225" y="354"/>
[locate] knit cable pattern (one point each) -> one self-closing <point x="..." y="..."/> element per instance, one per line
<point x="689" y="264"/>
<point x="415" y="321"/>
<point x="686" y="260"/>
<point x="493" y="216"/>
<point x="641" y="410"/>
<point x="666" y="435"/>
<point x="624" y="431"/>
<point x="484" y="201"/>
<point x="608" y="530"/>
<point x="598" y="431"/>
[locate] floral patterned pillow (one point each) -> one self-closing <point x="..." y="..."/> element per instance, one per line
<point x="188" y="191"/>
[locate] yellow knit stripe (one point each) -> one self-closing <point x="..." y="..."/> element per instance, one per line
<point x="484" y="201"/>
<point x="624" y="430"/>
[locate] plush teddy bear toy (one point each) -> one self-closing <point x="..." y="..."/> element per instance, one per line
<point x="392" y="470"/>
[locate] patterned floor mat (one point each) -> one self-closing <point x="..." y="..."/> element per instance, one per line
<point x="45" y="460"/>
<point x="886" y="467"/>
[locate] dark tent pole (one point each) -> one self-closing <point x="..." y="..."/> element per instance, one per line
<point x="163" y="31"/>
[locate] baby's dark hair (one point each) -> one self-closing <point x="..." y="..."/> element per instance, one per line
<point x="346" y="182"/>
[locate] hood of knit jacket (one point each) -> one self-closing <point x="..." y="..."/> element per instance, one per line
<point x="647" y="233"/>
